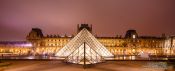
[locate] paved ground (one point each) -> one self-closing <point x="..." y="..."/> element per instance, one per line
<point x="60" y="66"/>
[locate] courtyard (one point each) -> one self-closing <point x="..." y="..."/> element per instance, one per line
<point x="56" y="65"/>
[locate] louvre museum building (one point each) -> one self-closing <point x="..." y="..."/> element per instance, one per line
<point x="85" y="44"/>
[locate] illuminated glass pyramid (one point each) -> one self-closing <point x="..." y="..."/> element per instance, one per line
<point x="84" y="47"/>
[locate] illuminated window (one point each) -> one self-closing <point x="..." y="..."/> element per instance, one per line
<point x="134" y="36"/>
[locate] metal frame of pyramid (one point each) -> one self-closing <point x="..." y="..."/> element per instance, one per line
<point x="84" y="54"/>
<point x="84" y="46"/>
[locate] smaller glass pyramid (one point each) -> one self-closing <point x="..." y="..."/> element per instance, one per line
<point x="84" y="54"/>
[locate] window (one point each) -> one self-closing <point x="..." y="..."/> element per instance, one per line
<point x="134" y="36"/>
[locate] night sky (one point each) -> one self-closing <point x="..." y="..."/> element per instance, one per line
<point x="108" y="17"/>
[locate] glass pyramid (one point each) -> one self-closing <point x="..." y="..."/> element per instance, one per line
<point x="84" y="47"/>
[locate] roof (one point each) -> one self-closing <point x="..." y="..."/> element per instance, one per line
<point x="16" y="43"/>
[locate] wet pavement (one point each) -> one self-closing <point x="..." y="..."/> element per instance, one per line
<point x="33" y="65"/>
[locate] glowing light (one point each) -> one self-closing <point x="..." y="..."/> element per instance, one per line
<point x="134" y="36"/>
<point x="144" y="54"/>
<point x="69" y="36"/>
<point x="30" y="45"/>
<point x="62" y="36"/>
<point x="30" y="57"/>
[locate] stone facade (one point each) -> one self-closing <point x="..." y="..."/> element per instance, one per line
<point x="131" y="44"/>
